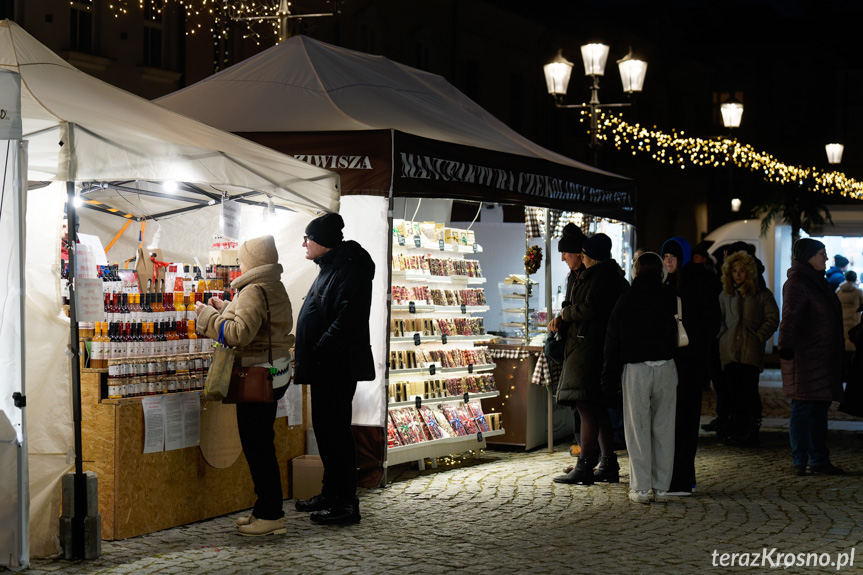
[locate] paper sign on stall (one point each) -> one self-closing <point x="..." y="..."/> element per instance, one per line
<point x="97" y="252"/>
<point x="89" y="302"/>
<point x="291" y="405"/>
<point x="154" y="424"/>
<point x="229" y="222"/>
<point x="192" y="419"/>
<point x="174" y="436"/>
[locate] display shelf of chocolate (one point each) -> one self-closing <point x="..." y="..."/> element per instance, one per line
<point x="475" y="386"/>
<point x="471" y="396"/>
<point x="434" y="430"/>
<point x="462" y="369"/>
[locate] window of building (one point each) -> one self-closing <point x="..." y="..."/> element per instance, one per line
<point x="153" y="34"/>
<point x="81" y="26"/>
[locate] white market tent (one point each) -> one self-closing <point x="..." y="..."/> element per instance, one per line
<point x="78" y="131"/>
<point x="391" y="130"/>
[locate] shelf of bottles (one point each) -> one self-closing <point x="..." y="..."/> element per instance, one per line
<point x="439" y="369"/>
<point x="147" y="343"/>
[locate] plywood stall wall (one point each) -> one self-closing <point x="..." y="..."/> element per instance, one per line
<point x="140" y="493"/>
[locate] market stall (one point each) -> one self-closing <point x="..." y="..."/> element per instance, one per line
<point x="392" y="132"/>
<point x="93" y="140"/>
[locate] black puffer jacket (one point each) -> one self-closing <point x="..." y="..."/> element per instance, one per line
<point x="333" y="337"/>
<point x="642" y="328"/>
<point x="699" y="294"/>
<point x="596" y="292"/>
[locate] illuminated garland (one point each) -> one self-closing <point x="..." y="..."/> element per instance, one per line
<point x="679" y="151"/>
<point x="251" y="13"/>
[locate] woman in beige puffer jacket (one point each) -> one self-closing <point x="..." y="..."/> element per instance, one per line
<point x="749" y="317"/>
<point x="851" y="298"/>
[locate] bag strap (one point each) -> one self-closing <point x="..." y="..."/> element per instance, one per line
<point x="269" y="331"/>
<point x="679" y="309"/>
<point x="221" y="339"/>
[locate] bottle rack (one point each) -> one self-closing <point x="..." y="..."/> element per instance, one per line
<point x="437" y="301"/>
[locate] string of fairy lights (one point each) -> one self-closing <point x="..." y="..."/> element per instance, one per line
<point x="259" y="17"/>
<point x="680" y="151"/>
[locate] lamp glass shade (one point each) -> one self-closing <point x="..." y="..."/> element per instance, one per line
<point x="557" y="76"/>
<point x="594" y="56"/>
<point x="632" y="73"/>
<point x="735" y="204"/>
<point x="834" y="153"/>
<point x="732" y="113"/>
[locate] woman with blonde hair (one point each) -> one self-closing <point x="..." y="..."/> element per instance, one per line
<point x="749" y="317"/>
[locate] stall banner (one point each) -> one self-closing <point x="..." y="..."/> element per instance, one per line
<point x="10" y="105"/>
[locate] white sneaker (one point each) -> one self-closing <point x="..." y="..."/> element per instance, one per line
<point x="639" y="496"/>
<point x="679" y="493"/>
<point x="660" y="496"/>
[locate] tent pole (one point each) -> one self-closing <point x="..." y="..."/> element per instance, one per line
<point x="548" y="315"/>
<point x="80" y="478"/>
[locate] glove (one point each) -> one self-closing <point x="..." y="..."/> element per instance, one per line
<point x="786" y="353"/>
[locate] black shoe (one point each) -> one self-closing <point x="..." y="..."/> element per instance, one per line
<point x="581" y="473"/>
<point x="826" y="469"/>
<point x="339" y="514"/>
<point x="798" y="470"/>
<point x="316" y="503"/>
<point x="607" y="470"/>
<point x="714" y="424"/>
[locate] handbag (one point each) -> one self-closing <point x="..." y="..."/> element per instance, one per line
<point x="682" y="338"/>
<point x="219" y="374"/>
<point x="555" y="346"/>
<point x="253" y="384"/>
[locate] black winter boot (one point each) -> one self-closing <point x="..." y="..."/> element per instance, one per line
<point x="750" y="437"/>
<point x="581" y="473"/>
<point x="608" y="469"/>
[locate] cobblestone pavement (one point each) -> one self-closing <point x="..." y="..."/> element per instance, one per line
<point x="502" y="514"/>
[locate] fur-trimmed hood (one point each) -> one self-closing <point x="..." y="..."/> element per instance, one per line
<point x="749" y="286"/>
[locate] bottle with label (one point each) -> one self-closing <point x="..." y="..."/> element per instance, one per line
<point x="115" y="381"/>
<point x="192" y="337"/>
<point x="97" y="353"/>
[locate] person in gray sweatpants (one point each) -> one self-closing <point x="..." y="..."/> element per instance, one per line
<point x="640" y="373"/>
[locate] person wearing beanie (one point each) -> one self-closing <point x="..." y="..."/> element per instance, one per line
<point x="243" y="322"/>
<point x="811" y="345"/>
<point x="836" y="274"/>
<point x="569" y="246"/>
<point x="586" y="321"/>
<point x="698" y="290"/>
<point x="332" y="354"/>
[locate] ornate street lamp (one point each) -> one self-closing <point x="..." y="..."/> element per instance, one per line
<point x="558" y="72"/>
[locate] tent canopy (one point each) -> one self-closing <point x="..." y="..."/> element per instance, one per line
<point x="82" y="129"/>
<point x="385" y="126"/>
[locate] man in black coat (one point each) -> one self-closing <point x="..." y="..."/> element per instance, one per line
<point x="332" y="353"/>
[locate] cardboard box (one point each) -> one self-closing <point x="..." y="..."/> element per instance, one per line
<point x="307" y="476"/>
<point x="224" y="258"/>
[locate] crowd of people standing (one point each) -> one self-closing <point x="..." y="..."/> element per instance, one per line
<point x="623" y="350"/>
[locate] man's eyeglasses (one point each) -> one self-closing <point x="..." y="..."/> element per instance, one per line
<point x="305" y="239"/>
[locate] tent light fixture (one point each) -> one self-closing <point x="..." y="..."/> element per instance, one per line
<point x="169" y="186"/>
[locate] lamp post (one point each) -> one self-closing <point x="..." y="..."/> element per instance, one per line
<point x="558" y="72"/>
<point x="732" y="114"/>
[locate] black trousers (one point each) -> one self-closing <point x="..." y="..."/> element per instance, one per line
<point x="332" y="411"/>
<point x="692" y="375"/>
<point x="255" y="423"/>
<point x="742" y="381"/>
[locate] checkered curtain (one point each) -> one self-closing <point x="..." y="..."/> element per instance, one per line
<point x="534" y="220"/>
